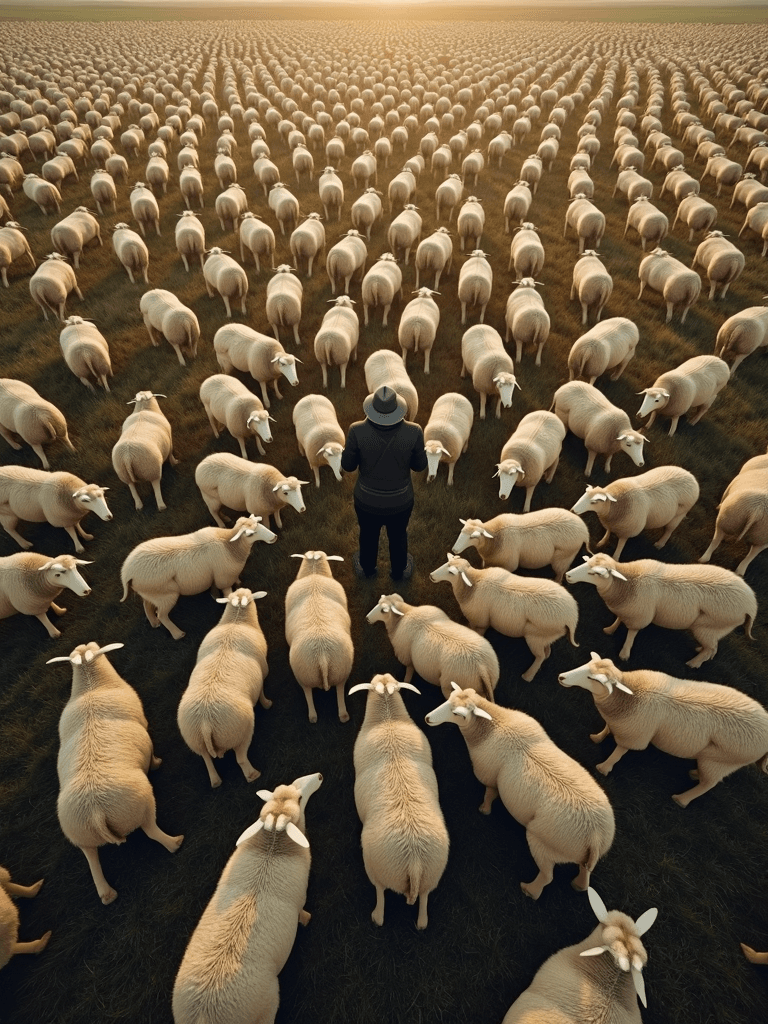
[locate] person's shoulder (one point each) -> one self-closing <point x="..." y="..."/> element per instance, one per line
<point x="357" y="424"/>
<point x="413" y="428"/>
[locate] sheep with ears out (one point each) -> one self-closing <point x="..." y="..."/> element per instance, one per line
<point x="531" y="453"/>
<point x="678" y="284"/>
<point x="30" y="584"/>
<point x="229" y="404"/>
<point x="27" y="415"/>
<point x="719" y="726"/>
<point x="230" y="976"/>
<point x="145" y="443"/>
<point x="404" y="838"/>
<point x="568" y="989"/>
<point x="743" y="512"/>
<point x="540" y="611"/>
<point x="241" y="348"/>
<point x="258" y="488"/>
<point x="690" y="388"/>
<point x="336" y="341"/>
<point x="604" y="428"/>
<point x="489" y="364"/>
<point x="216" y="710"/>
<point x="567" y="816"/>
<point x="9" y="919"/>
<point x="319" y="436"/>
<point x="318" y="630"/>
<point x="104" y="755"/>
<point x="427" y="641"/>
<point x="446" y="435"/>
<point x="709" y="601"/>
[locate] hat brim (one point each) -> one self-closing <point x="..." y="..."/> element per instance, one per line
<point x="386" y="419"/>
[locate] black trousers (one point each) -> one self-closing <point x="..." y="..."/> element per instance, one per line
<point x="396" y="525"/>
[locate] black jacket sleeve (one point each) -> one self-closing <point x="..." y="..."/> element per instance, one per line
<point x="418" y="453"/>
<point x="350" y="457"/>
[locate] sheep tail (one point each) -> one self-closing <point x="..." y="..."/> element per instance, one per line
<point x="324" y="674"/>
<point x="414" y="883"/>
<point x="205" y="732"/>
<point x="104" y="832"/>
<point x="593" y="856"/>
<point x="488" y="688"/>
<point x="762" y="763"/>
<point x="416" y="335"/>
<point x="51" y="430"/>
<point x="748" y="620"/>
<point x="125" y="590"/>
<point x="751" y="520"/>
<point x="572" y="634"/>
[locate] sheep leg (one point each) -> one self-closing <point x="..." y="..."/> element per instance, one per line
<point x="528" y="495"/>
<point x="277" y="392"/>
<point x="310" y="703"/>
<point x="408" y="673"/>
<point x="581" y="881"/>
<point x="103" y="888"/>
<point x="752" y="956"/>
<point x="149" y="611"/>
<point x="378" y="911"/>
<point x="540" y="651"/>
<point x="27" y="891"/>
<point x="58" y="609"/>
<point x="213" y="775"/>
<point x="598" y="737"/>
<point x="186" y="262"/>
<point x="9" y="525"/>
<point x="610" y="630"/>
<point x="52" y="631"/>
<point x="421" y="922"/>
<point x="228" y="307"/>
<point x="278" y="519"/>
<point x="386" y="310"/>
<point x="708" y="646"/>
<point x="624" y="652"/>
<point x="604" y="540"/>
<point x="753" y="552"/>
<point x="490" y="795"/>
<point x="36" y="946"/>
<point x="544" y="877"/>
<point x="701" y="410"/>
<point x="539" y="351"/>
<point x="171" y="843"/>
<point x="343" y="713"/>
<point x="304" y="917"/>
<point x="591" y="462"/>
<point x="161" y="506"/>
<point x="137" y="500"/>
<point x="683" y="799"/>
<point x="605" y="767"/>
<point x="78" y="546"/>
<point x="241" y="753"/>
<point x="619" y="547"/>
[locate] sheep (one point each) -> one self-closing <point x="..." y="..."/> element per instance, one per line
<point x="530" y="453"/>
<point x="230" y="205"/>
<point x="526" y="253"/>
<point x="283" y="204"/>
<point x="752" y="956"/>
<point x="709" y="601"/>
<point x="475" y="283"/>
<point x="517" y="203"/>
<point x="531" y="171"/>
<point x="331" y="192"/>
<point x="225" y="168"/>
<point x="187" y="157"/>
<point x="592" y="283"/>
<point x="446" y="435"/>
<point x="190" y="238"/>
<point x="680" y="184"/>
<point x="567" y="816"/>
<point x="307" y="241"/>
<point x="427" y="641"/>
<point x="604" y="428"/>
<point x="166" y="316"/>
<point x="547" y="151"/>
<point x="404" y="231"/>
<point x="447" y="196"/>
<point x="418" y="325"/>
<point x="570" y="990"/>
<point x="696" y="214"/>
<point x="228" y="403"/>
<point x="58" y="168"/>
<point x="132" y="140"/>
<point x="723" y="170"/>
<point x="9" y="919"/>
<point x="319" y="436"/>
<point x="191" y="186"/>
<point x="401" y="188"/>
<point x="586" y="220"/>
<point x="757" y="221"/>
<point x="223" y="275"/>
<point x="85" y="351"/>
<point x="51" y="283"/>
<point x="650" y="223"/>
<point x="721" y="260"/>
<point x="157" y="173"/>
<point x="526" y="319"/>
<point x="216" y="710"/>
<point x="345" y="259"/>
<point x="266" y="172"/>
<point x="470" y="222"/>
<point x="381" y="284"/>
<point x="101" y="150"/>
<point x="144" y="208"/>
<point x="103" y="190"/>
<point x="520" y="128"/>
<point x="336" y="340"/>
<point x="742" y="512"/>
<point x="12" y="245"/>
<point x="632" y="185"/>
<point x="365" y="211"/>
<point x="164" y="568"/>
<point x="690" y="388"/>
<point x="241" y="348"/>
<point x="258" y="489"/>
<point x="258" y="238"/>
<point x="757" y="157"/>
<point x="404" y="838"/>
<point x="318" y="630"/>
<point x="365" y="167"/>
<point x="719" y="726"/>
<point x="225" y="975"/>
<point x="668" y="156"/>
<point x="11" y="173"/>
<point x="538" y="610"/>
<point x="677" y="284"/>
<point x="579" y="182"/>
<point x="529" y="541"/>
<point x="441" y="160"/>
<point x="43" y="193"/>
<point x="661" y="497"/>
<point x="30" y="584"/>
<point x="131" y="251"/>
<point x="434" y="255"/>
<point x="283" y="300"/>
<point x="386" y="367"/>
<point x="145" y="443"/>
<point x="26" y="414"/>
<point x="749" y="192"/>
<point x="742" y="334"/>
<point x="484" y="357"/>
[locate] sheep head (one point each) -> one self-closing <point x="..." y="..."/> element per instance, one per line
<point x="283" y="810"/>
<point x="285" y="363"/>
<point x="331" y="452"/>
<point x="655" y="398"/>
<point x="389" y="610"/>
<point x="472" y="533"/>
<point x="252" y="529"/>
<point x="508" y="473"/>
<point x="435" y="452"/>
<point x="462" y="707"/>
<point x="385" y="685"/>
<point x="599" y="676"/>
<point x="288" y="491"/>
<point x="258" y="422"/>
<point x="90" y="498"/>
<point x="455" y="566"/>
<point x="241" y="598"/>
<point x="621" y="938"/>
<point x="86" y="653"/>
<point x="595" y="569"/>
<point x="594" y="499"/>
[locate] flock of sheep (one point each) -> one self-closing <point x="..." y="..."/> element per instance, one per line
<point x="281" y="114"/>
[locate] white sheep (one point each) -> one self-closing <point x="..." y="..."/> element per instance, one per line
<point x="144" y="208"/>
<point x="530" y="454"/>
<point x="225" y="168"/>
<point x="540" y="611"/>
<point x="345" y="259"/>
<point x="446" y="435"/>
<point x="157" y="172"/>
<point x="23" y="590"/>
<point x="571" y="990"/>
<point x="283" y="300"/>
<point x="165" y="315"/>
<point x="268" y="174"/>
<point x="331" y="191"/>
<point x="336" y="340"/>
<point x="103" y="190"/>
<point x="696" y="214"/>
<point x="191" y="186"/>
<point x="307" y="241"/>
<point x="448" y="196"/>
<point x="567" y="816"/>
<point x="225" y="974"/>
<point x="434" y="255"/>
<point x="742" y="512"/>
<point x="11" y="173"/>
<point x="401" y="188"/>
<point x="26" y="414"/>
<point x="190" y="238"/>
<point x="471" y="222"/>
<point x="404" y="838"/>
<point x="632" y="185"/>
<point x="427" y="641"/>
<point x="587" y="222"/>
<point x="131" y="250"/>
<point x="723" y="170"/>
<point x="484" y="357"/>
<point x="133" y="140"/>
<point x="58" y="168"/>
<point x="9" y="919"/>
<point x="216" y="709"/>
<point x="284" y="205"/>
<point x="105" y="753"/>
<point x="386" y="367"/>
<point x="661" y="497"/>
<point x="441" y="160"/>
<point x="547" y="151"/>
<point x="41" y="192"/>
<point x="757" y="221"/>
<point x="680" y="184"/>
<point x="12" y="245"/>
<point x="677" y="283"/>
<point x="319" y="436"/>
<point x="749" y="192"/>
<point x="229" y="404"/>
<point x="526" y="318"/>
<point x="526" y="253"/>
<point x="51" y="283"/>
<point x="722" y="262"/>
<point x="241" y="348"/>
<point x="85" y="351"/>
<point x="162" y="569"/>
<point x="258" y="238"/>
<point x="230" y="205"/>
<point x="381" y="284"/>
<point x="475" y="283"/>
<point x="418" y="325"/>
<point x="689" y="388"/>
<point x="709" y="601"/>
<point x="258" y="489"/>
<point x="650" y="223"/>
<point x="531" y="170"/>
<point x="532" y="540"/>
<point x="225" y="276"/>
<point x="742" y="334"/>
<point x="366" y="210"/>
<point x="145" y="443"/>
<point x="365" y="167"/>
<point x="719" y="726"/>
<point x="580" y="182"/>
<point x="71" y="234"/>
<point x="608" y="345"/>
<point x="604" y="428"/>
<point x="404" y="231"/>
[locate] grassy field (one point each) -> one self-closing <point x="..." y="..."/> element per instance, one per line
<point x="704" y="867"/>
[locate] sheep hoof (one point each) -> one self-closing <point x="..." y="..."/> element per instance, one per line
<point x="528" y="892"/>
<point x="313" y="719"/>
<point x="344" y="717"/>
<point x="596" y="737"/>
<point x="215" y="783"/>
<point x="603" y="769"/>
<point x="679" y="800"/>
<point x="251" y="776"/>
<point x="155" y="762"/>
<point x="694" y="774"/>
<point x="528" y="676"/>
<point x="176" y="842"/>
<point x="378" y="919"/>
<point x="577" y="887"/>
<point x="109" y="896"/>
<point x="483" y="809"/>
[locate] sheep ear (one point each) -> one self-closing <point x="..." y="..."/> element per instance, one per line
<point x="222" y="600"/>
<point x="455" y="686"/>
<point x="297" y="835"/>
<point x="397" y="611"/>
<point x="488" y="535"/>
<point x="466" y="579"/>
<point x="597" y="905"/>
<point x="637" y="978"/>
<point x="409" y="686"/>
<point x="257" y="826"/>
<point x="463" y="521"/>
<point x="599" y="677"/>
<point x="595" y="951"/>
<point x="51" y="660"/>
<point x="109" y="647"/>
<point x="618" y="575"/>
<point x="610" y="497"/>
<point x="334" y="558"/>
<point x="621" y="686"/>
<point x="481" y="713"/>
<point x="357" y="687"/>
<point x="264" y="794"/>
<point x="461" y="711"/>
<point x="276" y="488"/>
<point x="595" y="656"/>
<point x="297" y="556"/>
<point x="259" y="594"/>
<point x="453" y="571"/>
<point x="644" y="922"/>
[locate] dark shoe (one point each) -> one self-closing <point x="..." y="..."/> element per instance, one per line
<point x="406" y="573"/>
<point x="359" y="571"/>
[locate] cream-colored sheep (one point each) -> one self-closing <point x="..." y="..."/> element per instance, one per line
<point x="226" y="974"/>
<point x="743" y="511"/>
<point x="470" y="222"/>
<point x="366" y="210"/>
<point x="283" y="301"/>
<point x="307" y="241"/>
<point x="85" y="351"/>
<point x="567" y="816"/>
<point x="632" y="185"/>
<point x="241" y="348"/>
<point x="336" y="341"/>
<point x="719" y="726"/>
<point x="532" y="452"/>
<point x="609" y="345"/>
<point x="71" y="234"/>
<point x="604" y="428"/>
<point x="133" y="140"/>
<point x="157" y="172"/>
<point x="446" y="435"/>
<point x="163" y="569"/>
<point x="345" y="259"/>
<point x="364" y="167"/>
<point x="216" y="709"/>
<point x="284" y="205"/>
<point x="471" y="166"/>
<point x="696" y="214"/>
<point x="709" y="601"/>
<point x="229" y="404"/>
<point x="225" y="168"/>
<point x="661" y="497"/>
<point x="190" y="238"/>
<point x="103" y="190"/>
<point x="381" y="284"/>
<point x="225" y="276"/>
<point x="690" y="388"/>
<point x="540" y="611"/>
<point x="475" y="283"/>
<point x="723" y="170"/>
<point x="493" y="373"/>
<point x="258" y="489"/>
<point x="144" y="208"/>
<point x="26" y="414"/>
<point x="679" y="182"/>
<point x="30" y="584"/>
<point x="526" y="253"/>
<point x="401" y="188"/>
<point x="165" y="315"/>
<point x="587" y="222"/>
<point x="649" y="222"/>
<point x="427" y="641"/>
<point x="531" y="171"/>
<point x="12" y="245"/>
<point x="145" y="443"/>
<point x="722" y="262"/>
<point x="331" y="191"/>
<point x="267" y="174"/>
<point x="319" y="436"/>
<point x="58" y="169"/>
<point x="448" y="196"/>
<point x="43" y="193"/>
<point x="104" y="755"/>
<point x="526" y="318"/>
<point x="434" y="255"/>
<point x="418" y="326"/>
<point x="11" y="173"/>
<point x="258" y="238"/>
<point x="441" y="160"/>
<point x="387" y="367"/>
<point x="749" y="192"/>
<point x="191" y="185"/>
<point x="404" y="838"/>
<point x="230" y="205"/>
<point x="580" y="182"/>
<point x="131" y="251"/>
<point x="547" y="151"/>
<point x="51" y="283"/>
<point x="757" y="221"/>
<point x="678" y="285"/>
<point x="404" y="231"/>
<point x="9" y="919"/>
<point x="742" y="334"/>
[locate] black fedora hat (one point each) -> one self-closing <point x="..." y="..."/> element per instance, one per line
<point x="385" y="407"/>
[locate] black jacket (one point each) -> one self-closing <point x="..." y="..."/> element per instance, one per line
<point x="385" y="457"/>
